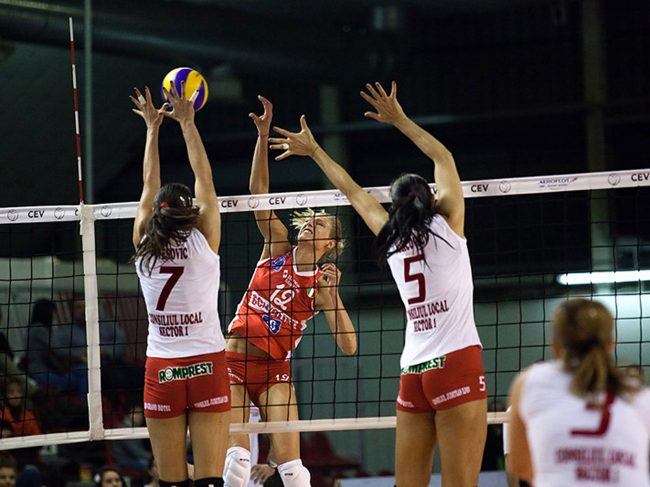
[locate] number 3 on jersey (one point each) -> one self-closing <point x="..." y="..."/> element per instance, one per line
<point x="176" y="273"/>
<point x="417" y="276"/>
<point x="605" y="417"/>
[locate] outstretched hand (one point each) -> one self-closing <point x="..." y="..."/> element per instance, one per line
<point x="388" y="109"/>
<point x="295" y="143"/>
<point x="182" y="108"/>
<point x="151" y="115"/>
<point x="263" y="122"/>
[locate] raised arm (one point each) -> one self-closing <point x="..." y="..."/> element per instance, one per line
<point x="205" y="193"/>
<point x="450" y="200"/>
<point x="519" y="459"/>
<point x="276" y="240"/>
<point x="303" y="144"/>
<point x="329" y="301"/>
<point x="151" y="163"/>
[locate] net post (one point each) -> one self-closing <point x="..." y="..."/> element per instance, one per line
<point x="87" y="229"/>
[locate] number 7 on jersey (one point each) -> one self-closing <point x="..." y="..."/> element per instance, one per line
<point x="176" y="273"/>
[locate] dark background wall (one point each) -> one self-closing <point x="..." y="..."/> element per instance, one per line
<point x="507" y="85"/>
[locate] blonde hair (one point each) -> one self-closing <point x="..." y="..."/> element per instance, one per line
<point x="300" y="217"/>
<point x="584" y="329"/>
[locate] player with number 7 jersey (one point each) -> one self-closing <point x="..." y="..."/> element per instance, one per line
<point x="176" y="239"/>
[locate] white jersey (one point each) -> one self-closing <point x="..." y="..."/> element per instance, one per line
<point x="573" y="443"/>
<point x="181" y="296"/>
<point x="437" y="291"/>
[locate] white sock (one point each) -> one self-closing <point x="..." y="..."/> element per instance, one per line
<point x="237" y="469"/>
<point x="294" y="474"/>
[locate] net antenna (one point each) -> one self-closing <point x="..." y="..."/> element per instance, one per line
<point x="75" y="99"/>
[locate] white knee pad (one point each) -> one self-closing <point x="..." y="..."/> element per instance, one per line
<point x="294" y="474"/>
<point x="237" y="469"/>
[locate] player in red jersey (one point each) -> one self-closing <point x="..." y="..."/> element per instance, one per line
<point x="287" y="289"/>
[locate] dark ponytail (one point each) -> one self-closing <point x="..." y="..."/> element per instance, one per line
<point x="408" y="217"/>
<point x="173" y="218"/>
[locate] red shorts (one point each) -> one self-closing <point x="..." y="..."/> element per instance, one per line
<point x="172" y="386"/>
<point x="443" y="382"/>
<point x="257" y="374"/>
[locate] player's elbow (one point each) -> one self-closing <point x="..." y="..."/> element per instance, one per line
<point x="254" y="187"/>
<point x="349" y="345"/>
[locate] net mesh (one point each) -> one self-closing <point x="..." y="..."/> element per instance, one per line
<point x="524" y="235"/>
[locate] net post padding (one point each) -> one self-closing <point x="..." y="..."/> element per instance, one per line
<point x="87" y="228"/>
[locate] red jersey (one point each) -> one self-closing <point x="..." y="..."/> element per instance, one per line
<point x="275" y="309"/>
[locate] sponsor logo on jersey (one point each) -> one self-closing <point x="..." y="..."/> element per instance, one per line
<point x="150" y="406"/>
<point x="169" y="374"/>
<point x="462" y="391"/>
<point x="310" y="292"/>
<point x="434" y="363"/>
<point x="276" y="264"/>
<point x="273" y="324"/>
<point x="213" y="401"/>
<point x="404" y="403"/>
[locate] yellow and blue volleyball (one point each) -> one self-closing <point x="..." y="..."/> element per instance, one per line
<point x="194" y="81"/>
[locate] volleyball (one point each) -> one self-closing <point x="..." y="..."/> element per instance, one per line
<point x="194" y="82"/>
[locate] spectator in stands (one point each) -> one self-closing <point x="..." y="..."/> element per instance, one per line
<point x="10" y="465"/>
<point x="151" y="478"/>
<point x="6" y="429"/>
<point x="132" y="454"/>
<point x="117" y="375"/>
<point x="8" y="367"/>
<point x="56" y="355"/>
<point x="109" y="477"/>
<point x="15" y="411"/>
<point x="8" y="470"/>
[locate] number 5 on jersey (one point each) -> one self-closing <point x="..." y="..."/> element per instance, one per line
<point x="417" y="276"/>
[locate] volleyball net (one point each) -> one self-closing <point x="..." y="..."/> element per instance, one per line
<point x="533" y="242"/>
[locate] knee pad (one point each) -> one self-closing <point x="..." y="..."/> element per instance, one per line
<point x="294" y="474"/>
<point x="237" y="469"/>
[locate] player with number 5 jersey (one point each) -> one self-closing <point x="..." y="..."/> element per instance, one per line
<point x="578" y="420"/>
<point x="442" y="396"/>
<point x="176" y="258"/>
<point x="291" y="283"/>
